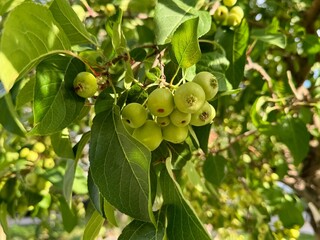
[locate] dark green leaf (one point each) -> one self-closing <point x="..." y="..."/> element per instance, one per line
<point x="61" y="144"/>
<point x="94" y="194"/>
<point x="183" y="222"/>
<point x="185" y="43"/>
<point x="39" y="35"/>
<point x="70" y="23"/>
<point x="56" y="105"/>
<point x="9" y="117"/>
<point x="214" y="169"/>
<point x="202" y="134"/>
<point x="69" y="217"/>
<point x="120" y="166"/>
<point x="109" y="213"/>
<point x="25" y="94"/>
<point x="181" y="153"/>
<point x="291" y="215"/>
<point x="138" y="54"/>
<point x="235" y="43"/>
<point x="138" y="230"/>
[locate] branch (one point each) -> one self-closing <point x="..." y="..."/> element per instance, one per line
<point x="311" y="15"/>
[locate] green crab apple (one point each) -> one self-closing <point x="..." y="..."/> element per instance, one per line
<point x="163" y="121"/>
<point x="221" y="14"/>
<point x="189" y="97"/>
<point x="204" y="116"/>
<point x="149" y="134"/>
<point x="180" y="119"/>
<point x="208" y="82"/>
<point x="238" y="11"/>
<point x="174" y="134"/>
<point x="229" y="3"/>
<point x="160" y="102"/>
<point x="233" y="20"/>
<point x="134" y="115"/>
<point x="85" y="84"/>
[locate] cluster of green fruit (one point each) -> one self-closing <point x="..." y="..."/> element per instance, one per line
<point x="229" y="14"/>
<point x="168" y="114"/>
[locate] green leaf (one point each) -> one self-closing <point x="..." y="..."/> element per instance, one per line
<point x="93" y="226"/>
<point x="235" y="44"/>
<point x="56" y="105"/>
<point x="3" y="217"/>
<point x="109" y="212"/>
<point x="202" y="134"/>
<point x="295" y="135"/>
<point x="8" y="5"/>
<point x="30" y="34"/>
<point x="205" y="21"/>
<point x="95" y="196"/>
<point x="183" y="222"/>
<point x="181" y="154"/>
<point x="104" y="101"/>
<point x="69" y="218"/>
<point x="290" y="214"/>
<point x="25" y="94"/>
<point x="9" y="117"/>
<point x="214" y="169"/>
<point x="279" y="40"/>
<point x="120" y="166"/>
<point x="185" y="43"/>
<point x="138" y="230"/>
<point x="62" y="145"/>
<point x="70" y="23"/>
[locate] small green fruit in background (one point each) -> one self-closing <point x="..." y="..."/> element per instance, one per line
<point x="229" y="3"/>
<point x="221" y="14"/>
<point x="208" y="82"/>
<point x="160" y="102"/>
<point x="233" y="20"/>
<point x="189" y="97"/>
<point x="39" y="147"/>
<point x="32" y="156"/>
<point x="134" y="115"/>
<point x="110" y="9"/>
<point x="204" y="116"/>
<point x="24" y="152"/>
<point x="149" y="134"/>
<point x="238" y="11"/>
<point x="85" y="84"/>
<point x="163" y="121"/>
<point x="174" y="134"/>
<point x="179" y="118"/>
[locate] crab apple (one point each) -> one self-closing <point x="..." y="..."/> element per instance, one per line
<point x="174" y="134"/>
<point x="233" y="20"/>
<point x="221" y="14"/>
<point x="149" y="134"/>
<point x="180" y="119"/>
<point x="160" y="102"/>
<point x="208" y="82"/>
<point x="85" y="84"/>
<point x="189" y="97"/>
<point x="204" y="116"/>
<point x="238" y="11"/>
<point x="163" y="121"/>
<point x="134" y="115"/>
<point x="39" y="147"/>
<point x="229" y="3"/>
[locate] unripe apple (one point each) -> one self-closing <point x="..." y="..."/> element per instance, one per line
<point x="179" y="118"/>
<point x="134" y="115"/>
<point x="233" y="20"/>
<point x="24" y="152"/>
<point x="204" y="116"/>
<point x="160" y="102"/>
<point x="32" y="156"/>
<point x="85" y="84"/>
<point x="208" y="82"/>
<point x="163" y="121"/>
<point x="149" y="134"/>
<point x="238" y="11"/>
<point x="174" y="134"/>
<point x="221" y="14"/>
<point x="189" y="97"/>
<point x="39" y="147"/>
<point x="229" y="3"/>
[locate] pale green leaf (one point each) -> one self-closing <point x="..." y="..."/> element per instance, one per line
<point x="185" y="43"/>
<point x="120" y="166"/>
<point x="61" y="144"/>
<point x="8" y="5"/>
<point x="279" y="40"/>
<point x="70" y="23"/>
<point x="56" y="105"/>
<point x="25" y="95"/>
<point x="109" y="212"/>
<point x="93" y="226"/>
<point x="30" y="33"/>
